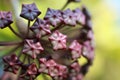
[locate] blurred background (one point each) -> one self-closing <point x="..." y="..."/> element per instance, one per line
<point x="106" y="24"/>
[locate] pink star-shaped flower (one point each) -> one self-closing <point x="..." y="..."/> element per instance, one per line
<point x="75" y="66"/>
<point x="75" y="48"/>
<point x="32" y="48"/>
<point x="43" y="68"/>
<point x="32" y="69"/>
<point x="62" y="70"/>
<point x="58" y="40"/>
<point x="88" y="50"/>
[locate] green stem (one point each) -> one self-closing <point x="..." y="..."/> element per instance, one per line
<point x="13" y="50"/>
<point x="28" y="28"/>
<point x="18" y="75"/>
<point x="9" y="43"/>
<point x="65" y="5"/>
<point x="57" y="28"/>
<point x="15" y="32"/>
<point x="24" y="58"/>
<point x="29" y="60"/>
<point x="20" y="53"/>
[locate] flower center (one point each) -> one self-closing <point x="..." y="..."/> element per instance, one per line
<point x="30" y="10"/>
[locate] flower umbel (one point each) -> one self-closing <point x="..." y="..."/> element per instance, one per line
<point x="55" y="46"/>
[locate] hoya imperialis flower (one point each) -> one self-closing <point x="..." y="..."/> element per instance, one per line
<point x="32" y="69"/>
<point x="76" y="49"/>
<point x="80" y="17"/>
<point x="50" y="62"/>
<point x="86" y="13"/>
<point x="58" y="40"/>
<point x="5" y="19"/>
<point x="32" y="48"/>
<point x="52" y="50"/>
<point x="28" y="72"/>
<point x="40" y="27"/>
<point x="43" y="68"/>
<point x="90" y="35"/>
<point x="69" y="18"/>
<point x="75" y="71"/>
<point x="88" y="23"/>
<point x="52" y="68"/>
<point x="75" y="66"/>
<point x="55" y="70"/>
<point x="29" y="11"/>
<point x="58" y="72"/>
<point x="53" y="17"/>
<point x="86" y="35"/>
<point x="12" y="63"/>
<point x="88" y="50"/>
<point x="62" y="70"/>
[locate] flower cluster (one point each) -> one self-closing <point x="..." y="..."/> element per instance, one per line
<point x="50" y="40"/>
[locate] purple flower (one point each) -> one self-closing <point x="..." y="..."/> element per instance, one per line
<point x="90" y="35"/>
<point x="86" y="35"/>
<point x="86" y="13"/>
<point x="12" y="63"/>
<point x="29" y="11"/>
<point x="58" y="40"/>
<point x="88" y="23"/>
<point x="5" y="19"/>
<point x="40" y="27"/>
<point x="53" y="17"/>
<point x="80" y="18"/>
<point x="69" y="18"/>
<point x="88" y="50"/>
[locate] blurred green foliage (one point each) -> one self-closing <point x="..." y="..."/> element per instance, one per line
<point x="107" y="61"/>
